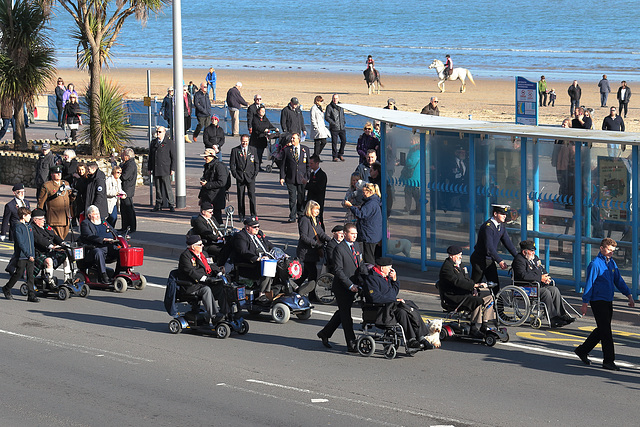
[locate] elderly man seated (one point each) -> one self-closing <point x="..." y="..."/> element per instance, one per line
<point x="205" y="226"/>
<point x="196" y="276"/>
<point x="458" y="289"/>
<point x="99" y="235"/>
<point x="248" y="248"/>
<point x="528" y="268"/>
<point x="381" y="286"/>
<point x="49" y="252"/>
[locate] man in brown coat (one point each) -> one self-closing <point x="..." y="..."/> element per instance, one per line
<point x="56" y="198"/>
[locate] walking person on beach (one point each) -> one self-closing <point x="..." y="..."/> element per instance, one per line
<point x="552" y="97"/>
<point x="575" y="93"/>
<point x="542" y="90"/>
<point x="604" y="90"/>
<point x="211" y="82"/>
<point x="235" y="101"/>
<point x="203" y="110"/>
<point x="624" y="93"/>
<point x="334" y="115"/>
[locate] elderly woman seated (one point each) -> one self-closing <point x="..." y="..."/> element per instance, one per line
<point x="101" y="241"/>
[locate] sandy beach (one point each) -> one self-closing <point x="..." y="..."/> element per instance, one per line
<point x="489" y="99"/>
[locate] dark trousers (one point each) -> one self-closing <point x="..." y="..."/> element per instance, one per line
<point x="296" y="200"/>
<point x="127" y="214"/>
<point x="408" y="316"/>
<point x="482" y="266"/>
<point x="623" y="106"/>
<point x="602" y="312"/>
<point x="98" y="257"/>
<point x="603" y="98"/>
<point x="203" y="122"/>
<point x="575" y="103"/>
<point x="344" y="299"/>
<point x="59" y="107"/>
<point x="164" y="190"/>
<point x="22" y="265"/>
<point x="370" y="252"/>
<point x="318" y="146"/>
<point x="250" y="188"/>
<point x="543" y="99"/>
<point x="187" y="124"/>
<point x="335" y="134"/>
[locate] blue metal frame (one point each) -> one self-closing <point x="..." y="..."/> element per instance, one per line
<point x="577" y="217"/>
<point x="634" y="221"/>
<point x="383" y="190"/>
<point x="472" y="192"/>
<point x="523" y="188"/>
<point x="423" y="202"/>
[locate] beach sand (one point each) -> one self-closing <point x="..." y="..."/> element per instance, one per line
<point x="489" y="99"/>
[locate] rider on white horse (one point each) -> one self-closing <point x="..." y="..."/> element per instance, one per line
<point x="448" y="66"/>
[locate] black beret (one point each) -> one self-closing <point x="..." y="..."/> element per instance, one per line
<point x="337" y="228"/>
<point x="19" y="186"/>
<point x="384" y="261"/>
<point x="192" y="239"/>
<point x="37" y="212"/>
<point x="205" y="206"/>
<point x="528" y="245"/>
<point x="454" y="250"/>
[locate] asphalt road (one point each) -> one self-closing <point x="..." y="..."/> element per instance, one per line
<point x="110" y="360"/>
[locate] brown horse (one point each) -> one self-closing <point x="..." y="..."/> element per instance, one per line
<point x="372" y="77"/>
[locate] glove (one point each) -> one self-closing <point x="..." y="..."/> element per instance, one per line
<point x="203" y="278"/>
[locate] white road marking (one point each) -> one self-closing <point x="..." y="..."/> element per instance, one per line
<point x="319" y="400"/>
<point x="96" y="352"/>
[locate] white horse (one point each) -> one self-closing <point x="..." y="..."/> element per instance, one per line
<point x="456" y="73"/>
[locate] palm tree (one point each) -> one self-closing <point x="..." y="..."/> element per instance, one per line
<point x="99" y="23"/>
<point x="27" y="63"/>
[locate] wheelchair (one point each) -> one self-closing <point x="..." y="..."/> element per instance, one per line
<point x="323" y="292"/>
<point x="520" y="302"/>
<point x="457" y="322"/>
<point x="195" y="318"/>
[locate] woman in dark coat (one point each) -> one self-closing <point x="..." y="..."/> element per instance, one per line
<point x="259" y="128"/>
<point x="312" y="240"/>
<point x="72" y="115"/>
<point x="369" y="222"/>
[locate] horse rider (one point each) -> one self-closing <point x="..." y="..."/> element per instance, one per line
<point x="448" y="66"/>
<point x="371" y="62"/>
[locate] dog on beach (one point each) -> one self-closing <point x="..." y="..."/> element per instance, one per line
<point x="433" y="337"/>
<point x="399" y="245"/>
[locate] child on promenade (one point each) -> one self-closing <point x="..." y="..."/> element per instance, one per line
<point x="552" y="97"/>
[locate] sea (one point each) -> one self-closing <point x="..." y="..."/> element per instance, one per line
<point x="562" y="39"/>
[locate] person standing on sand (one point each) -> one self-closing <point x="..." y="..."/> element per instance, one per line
<point x="604" y="90"/>
<point x="624" y="93"/>
<point x="211" y="82"/>
<point x="235" y="101"/>
<point x="334" y="115"/>
<point x="552" y="97"/>
<point x="575" y="93"/>
<point x="542" y="90"/>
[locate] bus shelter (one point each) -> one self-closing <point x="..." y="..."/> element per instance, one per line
<point x="567" y="188"/>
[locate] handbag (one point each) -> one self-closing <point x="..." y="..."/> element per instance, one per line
<point x="73" y="126"/>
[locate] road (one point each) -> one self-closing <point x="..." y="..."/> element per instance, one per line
<point x="110" y="360"/>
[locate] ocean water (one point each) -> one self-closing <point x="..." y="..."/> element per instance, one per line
<point x="562" y="39"/>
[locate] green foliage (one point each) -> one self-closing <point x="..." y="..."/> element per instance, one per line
<point x="113" y="129"/>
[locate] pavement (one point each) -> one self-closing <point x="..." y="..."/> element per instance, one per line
<point x="162" y="234"/>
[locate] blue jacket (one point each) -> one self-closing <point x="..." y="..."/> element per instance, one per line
<point x="601" y="279"/>
<point x="488" y="238"/>
<point x="369" y="219"/>
<point x="23" y="246"/>
<point x="377" y="289"/>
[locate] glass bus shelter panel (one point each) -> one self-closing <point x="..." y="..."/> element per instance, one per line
<point x="402" y="163"/>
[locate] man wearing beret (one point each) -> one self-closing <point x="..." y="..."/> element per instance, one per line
<point x="485" y="254"/>
<point x="195" y="271"/>
<point x="10" y="215"/>
<point x="528" y="268"/>
<point x="49" y="253"/>
<point x="55" y="198"/>
<point x="459" y="290"/>
<point x="205" y="226"/>
<point x="381" y="286"/>
<point x="338" y="236"/>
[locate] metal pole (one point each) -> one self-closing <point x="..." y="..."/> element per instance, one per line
<point x="423" y="202"/>
<point x="471" y="189"/>
<point x="523" y="188"/>
<point x="149" y="135"/>
<point x="178" y="107"/>
<point x="383" y="189"/>
<point x="577" y="218"/>
<point x="634" y="220"/>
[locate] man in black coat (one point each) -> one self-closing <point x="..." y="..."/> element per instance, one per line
<point x="213" y="135"/>
<point x="166" y="109"/>
<point x="96" y="190"/>
<point x="613" y="121"/>
<point x="248" y="248"/>
<point x="98" y="234"/>
<point x="202" y="103"/>
<point x="252" y="110"/>
<point x="317" y="185"/>
<point x="348" y="267"/>
<point x="575" y="93"/>
<point x="528" y="268"/>
<point x="485" y="254"/>
<point x="10" y="215"/>
<point x="195" y="277"/>
<point x="334" y="115"/>
<point x="295" y="173"/>
<point x="129" y="178"/>
<point x="338" y="236"/>
<point x="162" y="167"/>
<point x="205" y="226"/>
<point x="456" y="287"/>
<point x="49" y="254"/>
<point x="291" y="119"/>
<point x="214" y="182"/>
<point x="235" y="101"/>
<point x="623" y="95"/>
<point x="45" y="162"/>
<point x="244" y="168"/>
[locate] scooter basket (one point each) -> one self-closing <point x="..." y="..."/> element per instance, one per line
<point x="131" y="257"/>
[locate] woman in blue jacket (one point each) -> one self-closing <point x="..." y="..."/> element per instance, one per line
<point x="369" y="222"/>
<point x="24" y="251"/>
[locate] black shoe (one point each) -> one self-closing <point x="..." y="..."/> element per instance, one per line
<point x="172" y="209"/>
<point x="557" y="322"/>
<point x="104" y="278"/>
<point x="352" y="347"/>
<point x="290" y="220"/>
<point x="583" y="356"/>
<point x="414" y="343"/>
<point x="7" y="293"/>
<point x="156" y="208"/>
<point x="324" y="339"/>
<point x="33" y="298"/>
<point x="426" y="345"/>
<point x="610" y="366"/>
<point x="217" y="318"/>
<point x="567" y="319"/>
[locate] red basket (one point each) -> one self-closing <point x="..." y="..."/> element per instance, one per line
<point x="131" y="257"/>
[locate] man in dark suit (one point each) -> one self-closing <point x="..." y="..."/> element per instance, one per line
<point x="162" y="167"/>
<point x="129" y="178"/>
<point x="205" y="226"/>
<point x="291" y="118"/>
<point x="295" y="173"/>
<point x="317" y="185"/>
<point x="49" y="253"/>
<point x="10" y="215"/>
<point x="98" y="233"/>
<point x="194" y="278"/>
<point x="623" y="95"/>
<point x="96" y="190"/>
<point x="338" y="236"/>
<point x="244" y="168"/>
<point x="252" y="110"/>
<point x="348" y="267"/>
<point x="457" y="287"/>
<point x="528" y="268"/>
<point x="248" y="248"/>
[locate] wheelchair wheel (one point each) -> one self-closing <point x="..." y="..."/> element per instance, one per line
<point x="63" y="293"/>
<point x="390" y="351"/>
<point x="120" y="284"/>
<point x="323" y="292"/>
<point x="143" y="283"/>
<point x="175" y="327"/>
<point x="244" y="328"/>
<point x="84" y="292"/>
<point x="305" y="315"/>
<point x="490" y="340"/>
<point x="223" y="330"/>
<point x="536" y="323"/>
<point x="366" y="345"/>
<point x="24" y="290"/>
<point x="280" y="313"/>
<point x="268" y="168"/>
<point x="512" y="306"/>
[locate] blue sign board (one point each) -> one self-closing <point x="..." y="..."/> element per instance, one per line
<point x="526" y="102"/>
